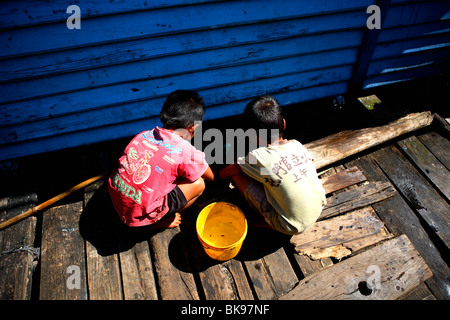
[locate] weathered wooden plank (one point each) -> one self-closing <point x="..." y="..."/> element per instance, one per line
<point x="190" y="62"/>
<point x="342" y="179"/>
<point x="400" y="219"/>
<point x="17" y="252"/>
<point x="428" y="164"/>
<point x="173" y="270"/>
<point x="218" y="283"/>
<point x="37" y="12"/>
<point x="103" y="275"/>
<point x="127" y="129"/>
<point x="272" y="275"/>
<point x="438" y="145"/>
<point x="138" y="280"/>
<point x="65" y="117"/>
<point x="359" y="197"/>
<point x="340" y="236"/>
<point x="419" y="193"/>
<point x="221" y="280"/>
<point x="420" y="293"/>
<point x="396" y="63"/>
<point x="343" y="144"/>
<point x="309" y="266"/>
<point x="63" y="266"/>
<point x="236" y="270"/>
<point x="163" y="22"/>
<point x="405" y="13"/>
<point x="103" y="269"/>
<point x="138" y="53"/>
<point x="405" y="74"/>
<point x="405" y="46"/>
<point x="390" y="270"/>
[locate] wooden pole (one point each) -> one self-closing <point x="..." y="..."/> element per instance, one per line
<point x="339" y="146"/>
<point x="51" y="201"/>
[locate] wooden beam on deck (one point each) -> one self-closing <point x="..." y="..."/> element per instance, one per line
<point x="341" y="145"/>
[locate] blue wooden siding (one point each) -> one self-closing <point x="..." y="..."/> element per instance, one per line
<point x="63" y="88"/>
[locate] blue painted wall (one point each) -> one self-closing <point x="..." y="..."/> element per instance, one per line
<point x="63" y="88"/>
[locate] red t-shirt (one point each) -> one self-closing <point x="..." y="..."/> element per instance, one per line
<point x="149" y="168"/>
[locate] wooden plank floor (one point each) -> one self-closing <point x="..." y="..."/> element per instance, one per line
<point x="79" y="250"/>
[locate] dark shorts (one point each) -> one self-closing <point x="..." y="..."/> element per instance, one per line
<point x="176" y="200"/>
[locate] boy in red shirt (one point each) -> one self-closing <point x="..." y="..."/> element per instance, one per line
<point x="160" y="173"/>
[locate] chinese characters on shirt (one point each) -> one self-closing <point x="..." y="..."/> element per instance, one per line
<point x="287" y="164"/>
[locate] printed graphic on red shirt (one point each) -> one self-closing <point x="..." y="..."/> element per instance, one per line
<point x="149" y="169"/>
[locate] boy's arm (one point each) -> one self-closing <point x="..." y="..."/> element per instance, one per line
<point x="208" y="175"/>
<point x="230" y="170"/>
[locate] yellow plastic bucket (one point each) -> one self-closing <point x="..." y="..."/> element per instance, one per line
<point x="221" y="229"/>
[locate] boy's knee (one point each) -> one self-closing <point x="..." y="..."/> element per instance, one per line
<point x="200" y="185"/>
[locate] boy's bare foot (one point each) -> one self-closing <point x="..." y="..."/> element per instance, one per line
<point x="176" y="221"/>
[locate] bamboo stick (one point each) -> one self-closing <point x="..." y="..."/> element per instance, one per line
<point x="51" y="201"/>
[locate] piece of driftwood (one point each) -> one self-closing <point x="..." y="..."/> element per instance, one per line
<point x="340" y="236"/>
<point x="341" y="145"/>
<point x="386" y="272"/>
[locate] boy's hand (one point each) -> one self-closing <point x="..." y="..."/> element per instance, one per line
<point x="230" y="170"/>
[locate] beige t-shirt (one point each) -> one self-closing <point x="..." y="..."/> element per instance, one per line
<point x="290" y="182"/>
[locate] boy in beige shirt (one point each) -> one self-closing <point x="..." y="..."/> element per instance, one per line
<point x="278" y="180"/>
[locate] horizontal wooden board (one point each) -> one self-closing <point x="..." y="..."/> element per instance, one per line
<point x="38" y="12"/>
<point x="113" y="115"/>
<point x="341" y="236"/>
<point x="392" y="268"/>
<point x="415" y="13"/>
<point x="129" y="129"/>
<point x="94" y="57"/>
<point x="415" y="45"/>
<point x="300" y="54"/>
<point x="356" y="198"/>
<point x="161" y="22"/>
<point x="343" y="179"/>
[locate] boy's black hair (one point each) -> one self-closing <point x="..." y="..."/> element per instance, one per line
<point x="265" y="112"/>
<point x="181" y="109"/>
